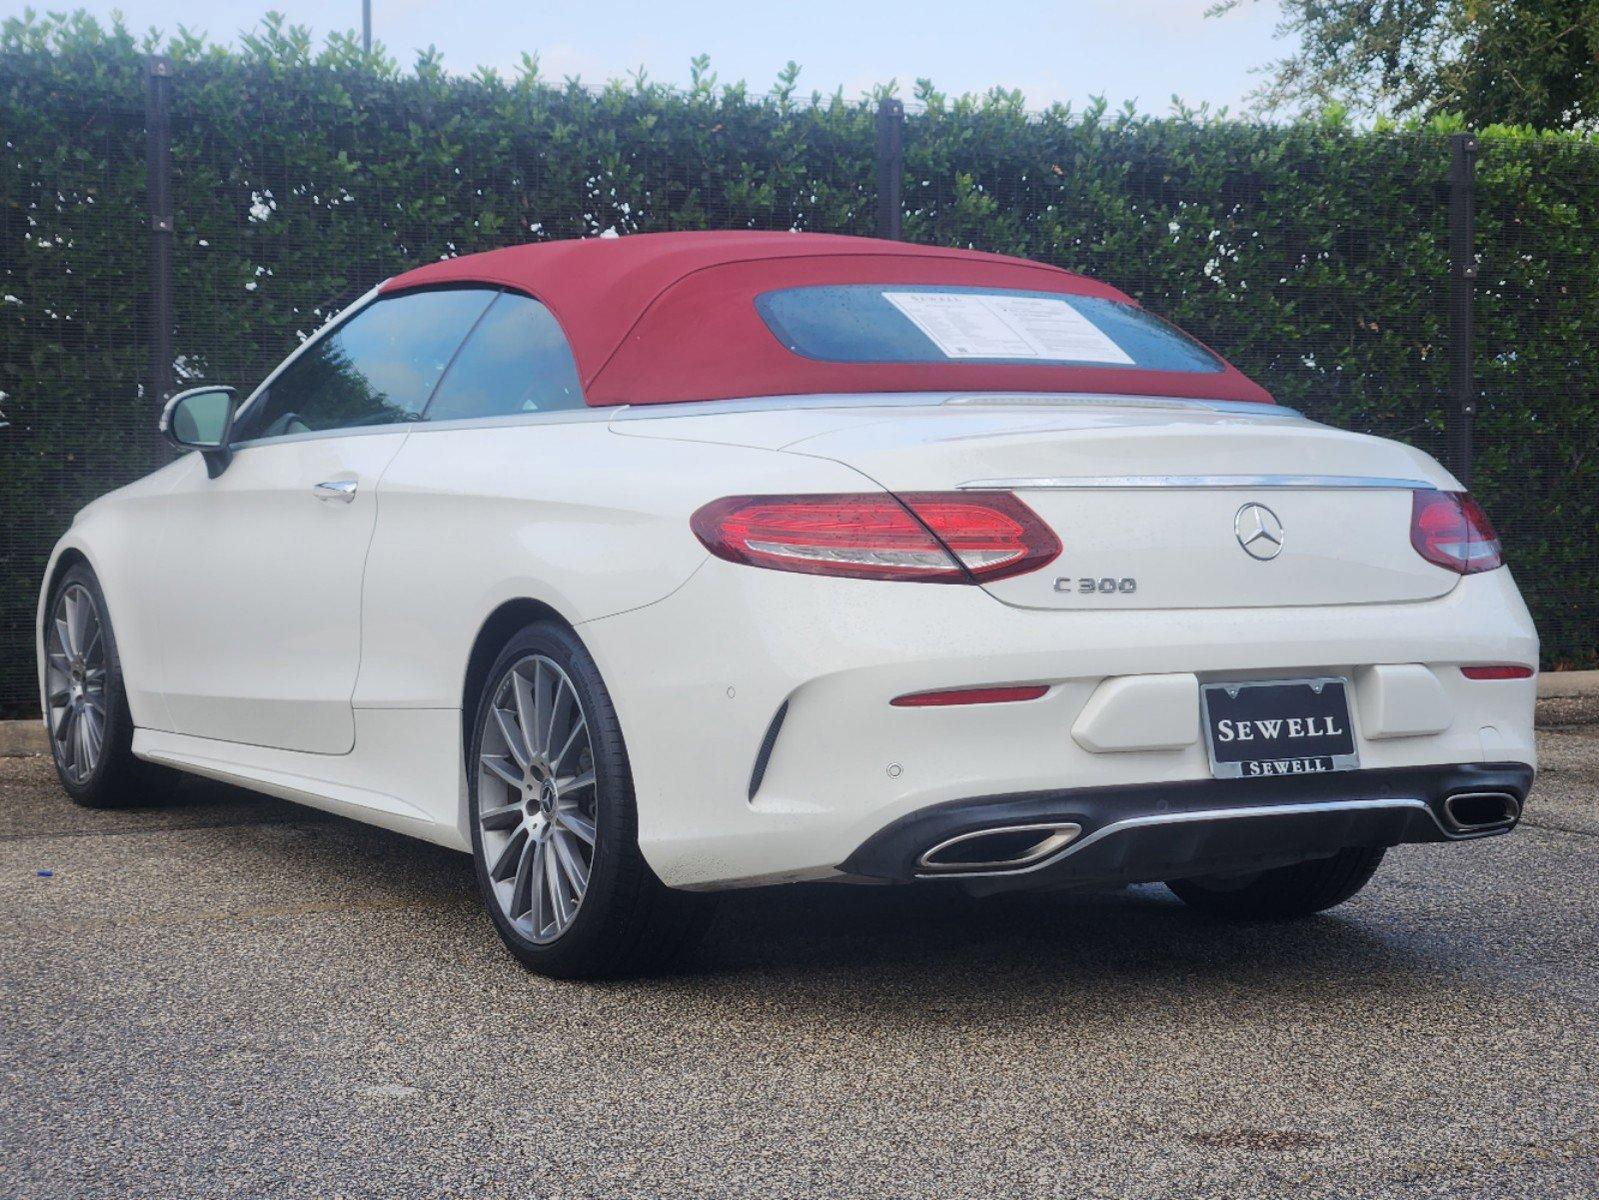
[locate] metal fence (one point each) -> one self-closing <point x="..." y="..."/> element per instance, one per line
<point x="146" y="247"/>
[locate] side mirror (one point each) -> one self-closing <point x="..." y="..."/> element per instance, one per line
<point x="202" y="419"/>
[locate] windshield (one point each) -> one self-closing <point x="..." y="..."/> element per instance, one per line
<point x="918" y="323"/>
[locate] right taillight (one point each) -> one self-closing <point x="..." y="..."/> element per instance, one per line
<point x="1450" y="529"/>
<point x="926" y="537"/>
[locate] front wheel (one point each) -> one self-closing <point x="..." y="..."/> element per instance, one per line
<point x="554" y="824"/>
<point x="1283" y="892"/>
<point x="86" y="702"/>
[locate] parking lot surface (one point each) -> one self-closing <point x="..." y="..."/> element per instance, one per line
<point x="222" y="995"/>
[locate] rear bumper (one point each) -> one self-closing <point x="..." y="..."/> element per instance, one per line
<point x="1144" y="833"/>
<point x="733" y="647"/>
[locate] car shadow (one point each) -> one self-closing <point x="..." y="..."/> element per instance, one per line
<point x="909" y="956"/>
<point x="908" y="953"/>
<point x="1133" y="929"/>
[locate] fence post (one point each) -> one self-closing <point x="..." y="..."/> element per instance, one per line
<point x="1462" y="281"/>
<point x="890" y="167"/>
<point x="158" y="169"/>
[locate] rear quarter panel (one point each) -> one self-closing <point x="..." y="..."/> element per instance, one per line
<point x="561" y="511"/>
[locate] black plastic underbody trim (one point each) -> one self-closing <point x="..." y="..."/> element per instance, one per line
<point x="768" y="742"/>
<point x="1173" y="850"/>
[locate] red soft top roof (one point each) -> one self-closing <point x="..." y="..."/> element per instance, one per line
<point x="658" y="318"/>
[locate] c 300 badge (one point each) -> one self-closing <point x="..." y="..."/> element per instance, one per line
<point x="1105" y="586"/>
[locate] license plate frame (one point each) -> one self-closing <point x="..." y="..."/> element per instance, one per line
<point x="1320" y="751"/>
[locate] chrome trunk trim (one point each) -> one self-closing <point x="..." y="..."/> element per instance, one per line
<point x="1232" y="482"/>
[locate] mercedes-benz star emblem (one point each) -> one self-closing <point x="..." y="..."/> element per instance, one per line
<point x="1259" y="532"/>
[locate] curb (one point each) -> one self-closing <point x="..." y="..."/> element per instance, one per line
<point x="1562" y="685"/>
<point x="23" y="739"/>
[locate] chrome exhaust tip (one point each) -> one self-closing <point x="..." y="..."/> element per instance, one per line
<point x="1480" y="812"/>
<point x="1002" y="848"/>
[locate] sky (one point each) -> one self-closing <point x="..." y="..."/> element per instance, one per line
<point x="1139" y="50"/>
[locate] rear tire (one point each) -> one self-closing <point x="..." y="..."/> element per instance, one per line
<point x="1284" y="892"/>
<point x="86" y="704"/>
<point x="555" y="825"/>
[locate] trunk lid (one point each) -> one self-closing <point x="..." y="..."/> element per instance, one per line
<point x="1152" y="501"/>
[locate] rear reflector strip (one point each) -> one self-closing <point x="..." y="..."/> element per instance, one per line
<point x="1498" y="671"/>
<point x="984" y="695"/>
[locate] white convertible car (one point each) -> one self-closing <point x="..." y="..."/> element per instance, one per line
<point x="645" y="567"/>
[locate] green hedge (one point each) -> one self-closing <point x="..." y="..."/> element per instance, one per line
<point x="1313" y="255"/>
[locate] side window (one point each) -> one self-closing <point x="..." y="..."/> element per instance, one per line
<point x="377" y="368"/>
<point x="516" y="361"/>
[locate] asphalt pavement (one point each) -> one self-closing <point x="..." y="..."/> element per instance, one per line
<point x="221" y="995"/>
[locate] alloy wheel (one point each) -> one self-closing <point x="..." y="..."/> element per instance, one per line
<point x="75" y="682"/>
<point x="537" y="799"/>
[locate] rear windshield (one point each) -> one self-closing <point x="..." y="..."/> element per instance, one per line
<point x="889" y="323"/>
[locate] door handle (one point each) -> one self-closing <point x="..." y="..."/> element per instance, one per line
<point x="342" y="490"/>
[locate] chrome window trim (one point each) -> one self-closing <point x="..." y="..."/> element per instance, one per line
<point x="694" y="408"/>
<point x="555" y="416"/>
<point x="317" y="435"/>
<point x="1230" y="482"/>
<point x="1251" y="408"/>
<point x="1209" y="814"/>
<point x="697" y="408"/>
<point x="700" y="408"/>
<point x="563" y="416"/>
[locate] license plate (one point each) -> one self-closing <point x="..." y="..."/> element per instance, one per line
<point x="1278" y="727"/>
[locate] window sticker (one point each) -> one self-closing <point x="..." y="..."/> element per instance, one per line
<point x="972" y="325"/>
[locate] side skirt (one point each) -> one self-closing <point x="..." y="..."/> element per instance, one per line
<point x="404" y="773"/>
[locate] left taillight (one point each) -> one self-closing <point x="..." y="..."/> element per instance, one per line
<point x="1451" y="530"/>
<point x="923" y="537"/>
